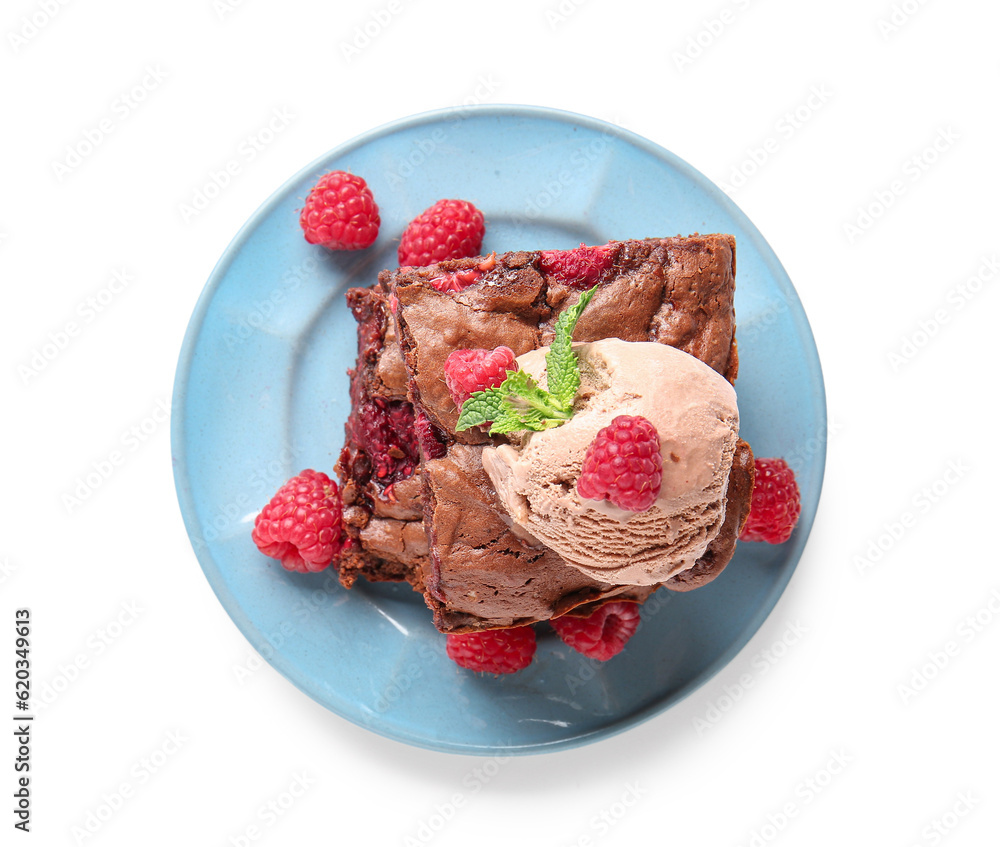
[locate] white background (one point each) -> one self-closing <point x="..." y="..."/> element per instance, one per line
<point x="815" y="743"/>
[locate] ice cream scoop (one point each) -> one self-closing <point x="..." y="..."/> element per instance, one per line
<point x="694" y="411"/>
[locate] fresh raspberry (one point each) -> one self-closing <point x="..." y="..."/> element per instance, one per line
<point x="301" y="525"/>
<point x="493" y="651"/>
<point x="450" y="229"/>
<point x="775" y="504"/>
<point x="602" y="634"/>
<point x="340" y="213"/>
<point x="580" y="267"/>
<point x="468" y="371"/>
<point x="623" y="464"/>
<point x="456" y="281"/>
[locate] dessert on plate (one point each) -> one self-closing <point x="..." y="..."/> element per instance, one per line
<point x="431" y="505"/>
<point x="534" y="436"/>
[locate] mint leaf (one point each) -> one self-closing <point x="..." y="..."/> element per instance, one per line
<point x="536" y="421"/>
<point x="512" y="419"/>
<point x="508" y="419"/>
<point x="563" y="371"/>
<point x="524" y="395"/>
<point x="481" y="407"/>
<point x="519" y="402"/>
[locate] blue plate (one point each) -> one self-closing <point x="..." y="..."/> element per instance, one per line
<point x="261" y="393"/>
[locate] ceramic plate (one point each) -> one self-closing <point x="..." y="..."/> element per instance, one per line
<point x="261" y="393"/>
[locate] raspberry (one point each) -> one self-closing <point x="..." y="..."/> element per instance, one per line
<point x="623" y="464"/>
<point x="450" y="229"/>
<point x="300" y="526"/>
<point x="602" y="634"/>
<point x="493" y="651"/>
<point x="468" y="371"/>
<point x="340" y="213"/>
<point x="580" y="267"/>
<point x="430" y="441"/>
<point x="457" y="281"/>
<point x="775" y="504"/>
<point x="386" y="431"/>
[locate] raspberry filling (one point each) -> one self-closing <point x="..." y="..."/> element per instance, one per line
<point x="431" y="442"/>
<point x="580" y="267"/>
<point x="385" y="430"/>
<point x="456" y="281"/>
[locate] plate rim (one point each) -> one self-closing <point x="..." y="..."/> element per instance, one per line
<point x="503" y="110"/>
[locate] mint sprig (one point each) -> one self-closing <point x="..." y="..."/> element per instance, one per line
<point x="481" y="407"/>
<point x="519" y="402"/>
<point x="560" y="362"/>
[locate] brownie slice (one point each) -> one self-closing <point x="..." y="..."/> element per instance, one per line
<point x="418" y="505"/>
<point x="381" y="483"/>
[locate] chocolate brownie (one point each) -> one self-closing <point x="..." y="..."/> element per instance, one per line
<point x="418" y="505"/>
<point x="381" y="484"/>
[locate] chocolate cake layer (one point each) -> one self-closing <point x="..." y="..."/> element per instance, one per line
<point x="435" y="521"/>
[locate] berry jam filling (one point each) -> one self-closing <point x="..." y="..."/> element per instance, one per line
<point x="580" y="267"/>
<point x="456" y="281"/>
<point x="384" y="429"/>
<point x="431" y="442"/>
